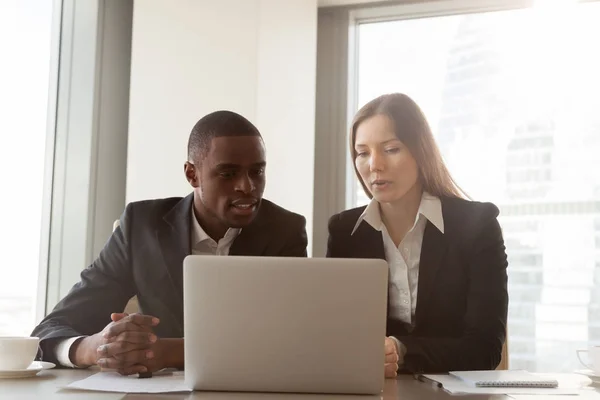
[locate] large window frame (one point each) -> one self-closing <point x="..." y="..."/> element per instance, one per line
<point x="40" y="304"/>
<point x="43" y="237"/>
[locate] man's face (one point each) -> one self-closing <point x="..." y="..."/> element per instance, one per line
<point x="229" y="181"/>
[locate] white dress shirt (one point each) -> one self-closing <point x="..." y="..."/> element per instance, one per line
<point x="202" y="244"/>
<point x="403" y="260"/>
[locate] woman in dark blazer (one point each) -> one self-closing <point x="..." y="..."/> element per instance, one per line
<point x="447" y="296"/>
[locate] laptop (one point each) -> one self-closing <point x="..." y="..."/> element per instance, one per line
<point x="295" y="325"/>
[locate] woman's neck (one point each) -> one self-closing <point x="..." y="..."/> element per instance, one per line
<point x="399" y="216"/>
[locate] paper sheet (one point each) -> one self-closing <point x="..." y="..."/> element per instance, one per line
<point x="568" y="384"/>
<point x="113" y="382"/>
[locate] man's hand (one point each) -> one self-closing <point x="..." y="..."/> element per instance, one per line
<point x="129" y="342"/>
<point x="391" y="358"/>
<point x="122" y="345"/>
<point x="166" y="353"/>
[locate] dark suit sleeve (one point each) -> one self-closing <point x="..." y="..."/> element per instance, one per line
<point x="331" y="239"/>
<point x="296" y="241"/>
<point x="480" y="346"/>
<point x="104" y="288"/>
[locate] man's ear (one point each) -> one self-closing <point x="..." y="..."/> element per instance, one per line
<point x="191" y="174"/>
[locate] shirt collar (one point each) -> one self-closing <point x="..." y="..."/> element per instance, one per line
<point x="199" y="235"/>
<point x="430" y="207"/>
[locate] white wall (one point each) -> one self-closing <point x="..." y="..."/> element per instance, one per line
<point x="285" y="114"/>
<point x="255" y="57"/>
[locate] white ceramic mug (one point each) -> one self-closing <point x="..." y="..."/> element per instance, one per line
<point x="17" y="352"/>
<point x="593" y="356"/>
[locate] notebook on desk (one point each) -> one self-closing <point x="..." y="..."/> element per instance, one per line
<point x="504" y="379"/>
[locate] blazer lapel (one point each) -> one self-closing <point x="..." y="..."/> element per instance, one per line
<point x="369" y="242"/>
<point x="253" y="239"/>
<point x="433" y="250"/>
<point x="174" y="238"/>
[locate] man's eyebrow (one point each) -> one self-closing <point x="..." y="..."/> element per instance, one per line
<point x="236" y="166"/>
<point x="227" y="166"/>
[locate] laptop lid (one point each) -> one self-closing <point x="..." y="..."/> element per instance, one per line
<point x="270" y="324"/>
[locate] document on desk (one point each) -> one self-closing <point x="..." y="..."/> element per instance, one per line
<point x="455" y="385"/>
<point x="113" y="382"/>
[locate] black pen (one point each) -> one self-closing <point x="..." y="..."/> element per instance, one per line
<point x="162" y="372"/>
<point x="425" y="379"/>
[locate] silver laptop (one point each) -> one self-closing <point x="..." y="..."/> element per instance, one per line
<point x="299" y="325"/>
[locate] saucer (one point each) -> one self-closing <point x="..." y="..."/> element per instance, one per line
<point x="32" y="370"/>
<point x="590" y="374"/>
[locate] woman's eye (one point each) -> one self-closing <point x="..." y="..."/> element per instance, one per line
<point x="392" y="150"/>
<point x="361" y="154"/>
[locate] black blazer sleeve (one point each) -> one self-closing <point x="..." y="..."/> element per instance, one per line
<point x="484" y="324"/>
<point x="332" y="250"/>
<point x="105" y="287"/>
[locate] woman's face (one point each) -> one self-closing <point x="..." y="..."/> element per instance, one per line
<point x="384" y="163"/>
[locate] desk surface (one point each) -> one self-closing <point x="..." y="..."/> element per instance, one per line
<point x="48" y="386"/>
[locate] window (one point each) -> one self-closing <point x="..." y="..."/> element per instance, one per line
<point x="25" y="39"/>
<point x="515" y="113"/>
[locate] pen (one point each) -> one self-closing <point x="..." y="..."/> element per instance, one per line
<point x="424" y="379"/>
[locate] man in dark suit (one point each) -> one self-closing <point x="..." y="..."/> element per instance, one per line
<point x="224" y="215"/>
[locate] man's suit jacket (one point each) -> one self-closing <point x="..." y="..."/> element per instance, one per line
<point x="144" y="257"/>
<point x="462" y="299"/>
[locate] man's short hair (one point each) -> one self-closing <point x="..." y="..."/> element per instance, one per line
<point x="217" y="124"/>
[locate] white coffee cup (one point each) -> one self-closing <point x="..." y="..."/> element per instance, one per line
<point x="593" y="356"/>
<point x="17" y="352"/>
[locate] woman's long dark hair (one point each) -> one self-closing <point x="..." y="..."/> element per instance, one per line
<point x="412" y="129"/>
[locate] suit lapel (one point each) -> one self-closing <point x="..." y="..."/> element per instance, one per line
<point x="253" y="239"/>
<point x="433" y="250"/>
<point x="369" y="242"/>
<point x="174" y="238"/>
<point x="249" y="243"/>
